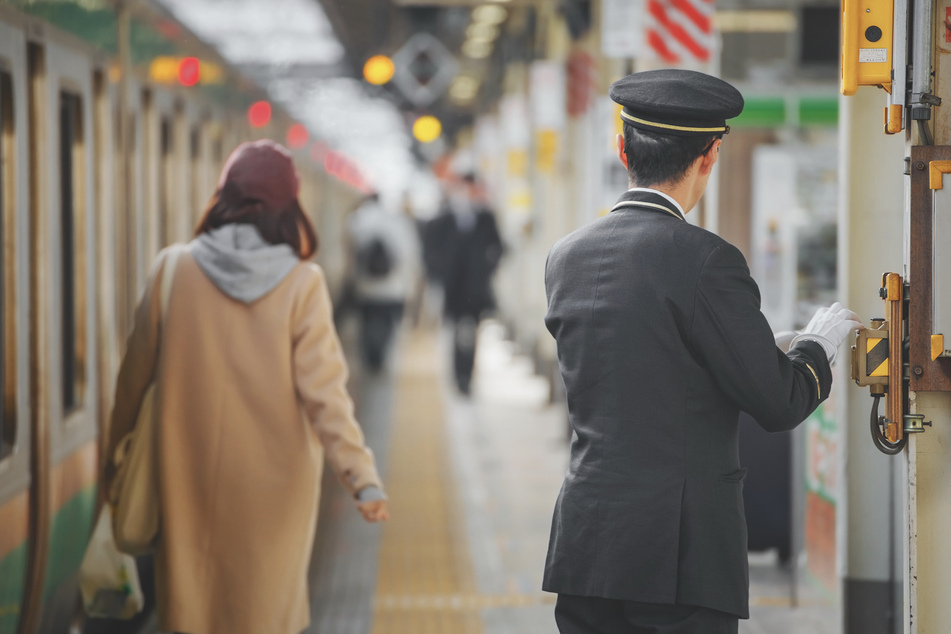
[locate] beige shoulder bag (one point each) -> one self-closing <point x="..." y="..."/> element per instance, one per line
<point x="134" y="494"/>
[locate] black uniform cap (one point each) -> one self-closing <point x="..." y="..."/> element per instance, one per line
<point x="675" y="101"/>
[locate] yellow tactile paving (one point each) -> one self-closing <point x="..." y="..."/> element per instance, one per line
<point x="425" y="583"/>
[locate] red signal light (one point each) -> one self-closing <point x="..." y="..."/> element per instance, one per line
<point x="259" y="114"/>
<point x="189" y="71"/>
<point x="297" y="136"/>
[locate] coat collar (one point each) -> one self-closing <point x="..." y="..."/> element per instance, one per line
<point x="649" y="199"/>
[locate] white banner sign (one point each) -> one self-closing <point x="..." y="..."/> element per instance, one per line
<point x="622" y="28"/>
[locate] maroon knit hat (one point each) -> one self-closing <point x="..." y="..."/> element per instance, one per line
<point x="263" y="170"/>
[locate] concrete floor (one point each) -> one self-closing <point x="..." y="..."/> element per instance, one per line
<point x="472" y="483"/>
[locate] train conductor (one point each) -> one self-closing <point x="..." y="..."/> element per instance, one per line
<point x="661" y="343"/>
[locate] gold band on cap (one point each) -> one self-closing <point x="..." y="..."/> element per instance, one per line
<point x="723" y="128"/>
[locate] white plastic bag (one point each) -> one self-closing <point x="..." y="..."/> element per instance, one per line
<point x="108" y="579"/>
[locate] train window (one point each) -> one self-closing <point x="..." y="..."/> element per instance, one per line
<point x="72" y="250"/>
<point x="8" y="356"/>
<point x="166" y="184"/>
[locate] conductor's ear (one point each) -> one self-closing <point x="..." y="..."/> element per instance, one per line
<point x="709" y="159"/>
<point x="621" y="153"/>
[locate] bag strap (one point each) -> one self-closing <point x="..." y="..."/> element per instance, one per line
<point x="168" y="275"/>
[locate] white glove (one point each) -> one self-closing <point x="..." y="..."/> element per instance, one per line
<point x="829" y="327"/>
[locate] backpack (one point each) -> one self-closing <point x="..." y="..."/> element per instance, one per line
<point x="375" y="259"/>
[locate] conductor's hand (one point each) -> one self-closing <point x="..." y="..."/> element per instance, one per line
<point x="374" y="511"/>
<point x="829" y="327"/>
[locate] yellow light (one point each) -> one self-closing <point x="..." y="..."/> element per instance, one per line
<point x="489" y="14"/>
<point x="427" y="129"/>
<point x="482" y="32"/>
<point x="744" y="21"/>
<point x="475" y="49"/>
<point x="378" y="70"/>
<point x="212" y="73"/>
<point x="164" y="69"/>
<point x="464" y="89"/>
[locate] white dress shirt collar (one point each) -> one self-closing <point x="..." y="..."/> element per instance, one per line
<point x="660" y="193"/>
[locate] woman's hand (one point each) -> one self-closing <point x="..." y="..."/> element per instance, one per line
<point x="374" y="511"/>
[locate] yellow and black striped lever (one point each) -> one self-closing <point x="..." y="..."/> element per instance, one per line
<point x="878" y="363"/>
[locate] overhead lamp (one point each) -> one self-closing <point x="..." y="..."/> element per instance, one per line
<point x="464" y="89"/>
<point x="489" y="14"/>
<point x="482" y="32"/>
<point x="189" y="71"/>
<point x="378" y="70"/>
<point x="427" y="129"/>
<point x="755" y="21"/>
<point x="475" y="49"/>
<point x="297" y="136"/>
<point x="259" y="114"/>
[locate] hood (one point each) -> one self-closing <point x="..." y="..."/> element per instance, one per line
<point x="242" y="264"/>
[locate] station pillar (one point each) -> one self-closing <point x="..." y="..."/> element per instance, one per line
<point x="929" y="453"/>
<point x="870" y="242"/>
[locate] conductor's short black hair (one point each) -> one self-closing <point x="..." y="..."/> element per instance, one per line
<point x="654" y="158"/>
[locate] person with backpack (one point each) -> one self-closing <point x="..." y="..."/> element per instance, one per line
<point x="383" y="274"/>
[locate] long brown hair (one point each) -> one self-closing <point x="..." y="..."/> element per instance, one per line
<point x="289" y="225"/>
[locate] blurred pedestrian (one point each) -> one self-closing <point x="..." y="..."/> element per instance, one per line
<point x="661" y="344"/>
<point x="250" y="394"/>
<point x="464" y="249"/>
<point x="384" y="274"/>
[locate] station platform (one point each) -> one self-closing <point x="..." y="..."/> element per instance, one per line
<point x="472" y="483"/>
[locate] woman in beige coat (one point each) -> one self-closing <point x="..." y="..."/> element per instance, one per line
<point x="250" y="394"/>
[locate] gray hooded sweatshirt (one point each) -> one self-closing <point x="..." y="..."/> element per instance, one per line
<point x="241" y="263"/>
<point x="246" y="267"/>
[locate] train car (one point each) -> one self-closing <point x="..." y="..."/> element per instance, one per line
<point x="97" y="174"/>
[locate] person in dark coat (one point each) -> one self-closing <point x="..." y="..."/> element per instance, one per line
<point x="463" y="249"/>
<point x="661" y="344"/>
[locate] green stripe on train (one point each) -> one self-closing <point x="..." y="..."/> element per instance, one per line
<point x="12" y="576"/>
<point x="69" y="534"/>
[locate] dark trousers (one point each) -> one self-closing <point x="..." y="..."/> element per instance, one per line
<point x="465" y="334"/>
<point x="594" y="615"/>
<point x="379" y="320"/>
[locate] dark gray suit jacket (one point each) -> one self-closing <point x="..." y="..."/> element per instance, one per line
<point x="661" y="343"/>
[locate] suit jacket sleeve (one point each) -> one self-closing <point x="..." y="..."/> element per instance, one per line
<point x="734" y="341"/>
<point x="320" y="374"/>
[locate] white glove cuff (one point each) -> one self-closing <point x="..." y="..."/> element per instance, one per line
<point x="827" y="346"/>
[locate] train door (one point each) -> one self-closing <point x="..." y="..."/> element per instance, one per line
<point x="164" y="151"/>
<point x="200" y="184"/>
<point x="15" y="438"/>
<point x="63" y="355"/>
<point x="108" y="337"/>
<point x="134" y="210"/>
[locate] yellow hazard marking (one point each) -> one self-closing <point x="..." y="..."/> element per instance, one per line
<point x="937" y="346"/>
<point x="781" y="602"/>
<point x="462" y="602"/>
<point x="425" y="577"/>
<point x="876" y="357"/>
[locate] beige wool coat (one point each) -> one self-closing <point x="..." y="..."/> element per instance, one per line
<point x="249" y="398"/>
